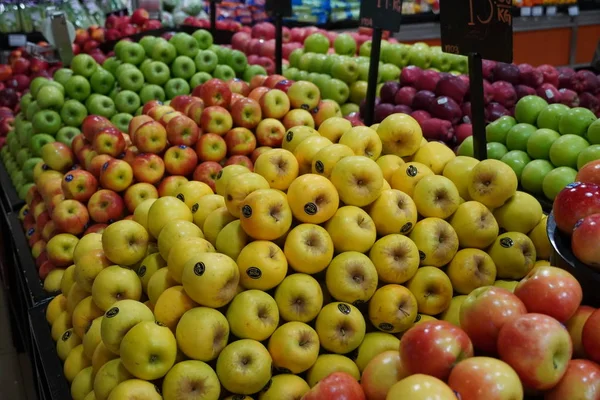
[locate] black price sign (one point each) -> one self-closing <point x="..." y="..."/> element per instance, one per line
<point x="477" y="26"/>
<point x="282" y="8"/>
<point x="382" y="14"/>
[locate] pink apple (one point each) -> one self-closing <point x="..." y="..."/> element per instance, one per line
<point x="95" y="165"/>
<point x="211" y="147"/>
<point x="258" y="151"/>
<point x="151" y="137"/>
<point x="581" y="381"/>
<point x="79" y="185"/>
<point x="148" y="168"/>
<point x="239" y="86"/>
<point x="130" y="154"/>
<point x="485" y="378"/>
<point x="93" y="124"/>
<point x="180" y="160"/>
<point x="575" y="327"/>
<point x="70" y="216"/>
<point x="181" y="103"/>
<point x="273" y="80"/>
<point x="195" y="110"/>
<point x="590" y="336"/>
<point x="381" y="373"/>
<point x="96" y="228"/>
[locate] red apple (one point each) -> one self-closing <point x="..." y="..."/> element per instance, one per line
<point x="581" y="381"/>
<point x="78" y="142"/>
<point x="139" y="17"/>
<point x="338" y="385"/>
<point x="182" y="130"/>
<point x="216" y="119"/>
<point x="258" y="151"/>
<point x="195" y="110"/>
<point x="381" y="373"/>
<point x="170" y="185"/>
<point x="130" y="154"/>
<point x="95" y="165"/>
<point x="575" y="202"/>
<point x="246" y="113"/>
<point x="105" y="206"/>
<point x="590" y="336"/>
<point x="575" y="327"/>
<point x="211" y="147"/>
<point x="70" y="216"/>
<point x="180" y="160"/>
<point x="258" y="92"/>
<point x="150" y="105"/>
<point x="93" y="124"/>
<point x="240" y="160"/>
<point x="215" y="92"/>
<point x="79" y="185"/>
<point x="270" y="132"/>
<point x="109" y="141"/>
<point x="240" y="141"/>
<point x="589" y="173"/>
<point x="239" y="86"/>
<point x="584" y="241"/>
<point x="148" y="168"/>
<point x="484" y="378"/>
<point x="207" y="172"/>
<point x="96" y="228"/>
<point x="182" y="102"/>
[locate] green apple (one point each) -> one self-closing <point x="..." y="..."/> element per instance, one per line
<point x="316" y="43"/>
<point x="132" y="53"/>
<point x="46" y="121"/>
<point x="295" y="56"/>
<point x="420" y="57"/>
<point x="185" y="44"/>
<point x="121" y="44"/>
<point x="496" y="150"/>
<point x="321" y="80"/>
<point x="25" y="189"/>
<point x="290" y="73"/>
<point x="576" y="121"/>
<point x="565" y="150"/>
<point x="349" y="108"/>
<point x="221" y="52"/>
<point x="18" y="180"/>
<point x="441" y="61"/>
<point x="550" y="116"/>
<point x="517" y="160"/>
<point x="224" y="72"/>
<point x="591" y="153"/>
<point x="397" y="54"/>
<point x="498" y="130"/>
<point x="99" y="104"/>
<point x="528" y="109"/>
<point x="312" y="76"/>
<point x="237" y="61"/>
<point x="389" y="72"/>
<point x="36" y="84"/>
<point x="163" y="51"/>
<point x="152" y="92"/>
<point x="66" y="134"/>
<point x="345" y="70"/>
<point x="28" y="167"/>
<point x="102" y="81"/>
<point x="78" y="88"/>
<point x="23" y="155"/>
<point x="176" y="87"/>
<point x="336" y="90"/>
<point x="539" y="143"/>
<point x="518" y="135"/>
<point x="556" y="180"/>
<point x="460" y="64"/>
<point x="253" y="70"/>
<point x="131" y="79"/>
<point x="204" y="38"/>
<point x="183" y="67"/>
<point x="121" y="120"/>
<point x="532" y="176"/>
<point x="112" y="63"/>
<point x="206" y="61"/>
<point x="73" y="113"/>
<point x="147" y="43"/>
<point x="38" y="141"/>
<point x="466" y="147"/>
<point x="157" y="73"/>
<point x="317" y="63"/>
<point x="24" y="133"/>
<point x="127" y="101"/>
<point x="62" y="75"/>
<point x="26" y="99"/>
<point x="32" y="109"/>
<point x="330" y="60"/>
<point x="305" y="61"/>
<point x="365" y="49"/>
<point x="84" y="65"/>
<point x="593" y="132"/>
<point x="345" y="44"/>
<point x="358" y="91"/>
<point x="199" y="78"/>
<point x="302" y="75"/>
<point x="50" y="97"/>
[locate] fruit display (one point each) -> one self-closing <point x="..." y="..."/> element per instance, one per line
<point x="545" y="144"/>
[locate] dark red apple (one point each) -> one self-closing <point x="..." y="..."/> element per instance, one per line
<point x="504" y="93"/>
<point x="404" y="96"/>
<point x="437" y="129"/>
<point x="523" y="90"/>
<point x="549" y="93"/>
<point x="569" y="97"/>
<point x="530" y="76"/>
<point x="428" y="80"/>
<point x="550" y="74"/>
<point x="453" y="87"/>
<point x="574" y="202"/>
<point x="388" y="91"/>
<point x="506" y="72"/>
<point x="423" y="100"/>
<point x="410" y="75"/>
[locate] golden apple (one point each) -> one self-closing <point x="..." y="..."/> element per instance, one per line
<point x="68" y="280"/>
<point x="191" y="379"/>
<point x="140" y="215"/>
<point x="89" y="242"/>
<point x="76" y="294"/>
<point x="57" y="305"/>
<point x="393" y="308"/>
<point x="202" y="333"/>
<point x="296" y="135"/>
<point x="363" y="141"/>
<point x="60" y="249"/>
<point x="75" y="362"/>
<point x="474" y="225"/>
<point x="400" y="134"/>
<point x="452" y="313"/>
<point x="173" y="232"/>
<point x="231" y="239"/>
<point x="119" y="319"/>
<point x="470" y="269"/>
<point x="312" y="198"/>
<point x="539" y="237"/>
<point x="206" y="205"/>
<point x="279" y="167"/>
<point x="262" y="265"/>
<point x="164" y="210"/>
<point x="92" y="337"/>
<point x="108" y="377"/>
<point x="436" y="240"/>
<point x="171" y="305"/>
<point x="191" y="192"/>
<point x="354" y="222"/>
<point x="520" y="213"/>
<point x="88" y="267"/>
<point x="435" y="155"/>
<point x="492" y="183"/>
<point x="214" y="222"/>
<point x="182" y="251"/>
<point x="358" y="180"/>
<point x="341" y="327"/>
<point x="239" y="187"/>
<point x="101" y="356"/>
<point x="306" y="151"/>
<point x="148" y="267"/>
<point x="334" y="128"/>
<point x="327" y="157"/>
<point x="294" y="347"/>
<point x="132" y="389"/>
<point x="407" y="176"/>
<point x="158" y="283"/>
<point x="308" y="248"/>
<point x="211" y="279"/>
<point x="299" y="297"/>
<point x="395" y="257"/>
<point x="393" y="212"/>
<point x="421" y="387"/>
<point x="432" y="289"/>
<point x="115" y="283"/>
<point x="351" y="277"/>
<point x="374" y="344"/>
<point x="244" y="366"/>
<point x="84" y="313"/>
<point x="226" y="174"/>
<point x="327" y="364"/>
<point x="125" y="242"/>
<point x="82" y="384"/>
<point x="436" y="196"/>
<point x="389" y="164"/>
<point x="285" y="387"/>
<point x="66" y="342"/>
<point x="514" y="255"/>
<point x="253" y="314"/>
<point x="458" y="171"/>
<point x="266" y="214"/>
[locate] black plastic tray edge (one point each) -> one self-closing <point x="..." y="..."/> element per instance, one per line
<point x="10" y="198"/>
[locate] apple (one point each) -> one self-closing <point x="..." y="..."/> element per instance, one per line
<point x="336" y="385"/>
<point x="574" y="202"/>
<point x="216" y="119"/>
<point x="116" y="175"/>
<point x="270" y="132"/>
<point x="576" y="121"/>
<point x="79" y="185"/>
<point x="584" y="249"/>
<point x="150" y="137"/>
<point x="70" y="216"/>
<point x="215" y="93"/>
<point x="211" y="147"/>
<point x="182" y="130"/>
<point x="240" y="141"/>
<point x="485" y="378"/>
<point x="246" y="113"/>
<point x="208" y="172"/>
<point x="581" y="379"/>
<point x="180" y="160"/>
<point x="109" y="141"/>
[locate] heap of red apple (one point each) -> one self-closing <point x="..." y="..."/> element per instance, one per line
<point x="221" y="25"/>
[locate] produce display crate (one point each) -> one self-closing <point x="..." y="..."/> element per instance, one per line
<point x="9" y="197"/>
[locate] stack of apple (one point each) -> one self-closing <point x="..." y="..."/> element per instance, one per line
<point x="7" y="121"/>
<point x="272" y="246"/>
<point x="545" y="144"/>
<point x="221" y="25"/>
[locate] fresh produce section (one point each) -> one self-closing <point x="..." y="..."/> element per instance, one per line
<point x="193" y="225"/>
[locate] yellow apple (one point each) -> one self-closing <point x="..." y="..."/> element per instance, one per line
<point x="75" y="362"/>
<point x="89" y="242"/>
<point x="53" y="279"/>
<point x="231" y="239"/>
<point x="312" y="198"/>
<point x="206" y="205"/>
<point x="539" y="237"/>
<point x="514" y="255"/>
<point x="354" y="222"/>
<point x="202" y="333"/>
<point x="474" y="225"/>
<point x="214" y="222"/>
<point x="140" y="215"/>
<point x="285" y="387"/>
<point x="327" y="157"/>
<point x="279" y="167"/>
<point x="393" y="212"/>
<point x="173" y="232"/>
<point x="393" y="308"/>
<point x="226" y="174"/>
<point x="108" y="377"/>
<point x="83" y="315"/>
<point x="125" y="242"/>
<point x="436" y="240"/>
<point x="244" y="366"/>
<point x="341" y="327"/>
<point x="158" y="283"/>
<point x="374" y="344"/>
<point x="351" y="277"/>
<point x="452" y="313"/>
<point x="407" y="176"/>
<point x="421" y="387"/>
<point x="327" y="364"/>
<point x="171" y="305"/>
<point x="148" y="350"/>
<point x="119" y="319"/>
<point x="82" y="384"/>
<point x="262" y="265"/>
<point x="386" y="186"/>
<point x="358" y="180"/>
<point x="295" y="135"/>
<point x="458" y="171"/>
<point x="389" y="164"/>
<point x="395" y="257"/>
<point x="253" y="314"/>
<point x="299" y="297"/>
<point x="266" y="214"/>
<point x="115" y="283"/>
<point x="57" y="305"/>
<point x="432" y="289"/>
<point x="191" y="379"/>
<point x="182" y="251"/>
<point x="101" y="356"/>
<point x="88" y="267"/>
<point x="470" y="269"/>
<point x="294" y="347"/>
<point x="306" y="151"/>
<point x="191" y="192"/>
<point x="363" y="141"/>
<point x="133" y="389"/>
<point x="166" y="209"/>
<point x="508" y="285"/>
<point x="61" y="248"/>
<point x="148" y="267"/>
<point x="400" y="134"/>
<point x="492" y="183"/>
<point x="239" y="187"/>
<point x="67" y="280"/>
<point x="92" y="337"/>
<point x="334" y="128"/>
<point x="66" y="342"/>
<point x="211" y="279"/>
<point x="520" y="213"/>
<point x="435" y="155"/>
<point x="308" y="248"/>
<point x="76" y="294"/>
<point x="436" y="196"/>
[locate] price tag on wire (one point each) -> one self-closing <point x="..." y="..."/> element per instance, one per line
<point x="525" y="11"/>
<point x="17" y="40"/>
<point x="573" y="11"/>
<point x="537" y="11"/>
<point x="551" y="11"/>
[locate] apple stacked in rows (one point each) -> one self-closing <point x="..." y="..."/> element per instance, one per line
<point x="273" y="246"/>
<point x="545" y="144"/>
<point x="7" y="121"/>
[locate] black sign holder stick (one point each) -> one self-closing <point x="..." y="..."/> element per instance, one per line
<point x="213" y="17"/>
<point x="373" y="74"/>
<point x="477" y="106"/>
<point x="278" y="43"/>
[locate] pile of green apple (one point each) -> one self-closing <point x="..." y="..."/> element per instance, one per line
<point x="544" y="144"/>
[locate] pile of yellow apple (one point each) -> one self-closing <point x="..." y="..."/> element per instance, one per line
<point x="315" y="262"/>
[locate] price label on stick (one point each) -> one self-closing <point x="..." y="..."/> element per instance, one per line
<point x="279" y="7"/>
<point x="477" y="26"/>
<point x="383" y="14"/>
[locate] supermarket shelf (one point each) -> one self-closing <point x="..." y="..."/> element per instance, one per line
<point x="10" y="199"/>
